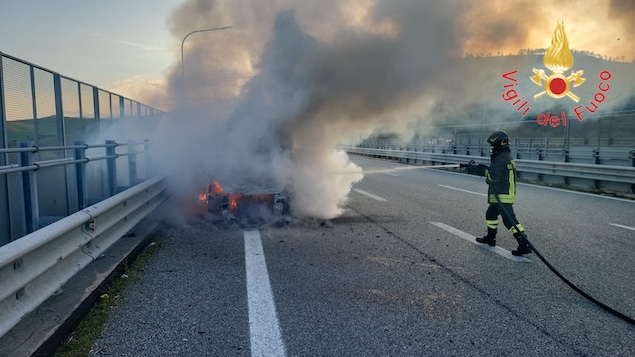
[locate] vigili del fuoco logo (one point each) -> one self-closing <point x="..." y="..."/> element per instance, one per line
<point x="558" y="84"/>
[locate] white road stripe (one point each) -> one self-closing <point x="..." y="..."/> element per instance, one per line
<point x="391" y="174"/>
<point x="264" y="330"/>
<point x="462" y="190"/>
<point x="548" y="188"/>
<point x="579" y="193"/>
<point x="470" y="238"/>
<point x="369" y="195"/>
<point x="622" y="226"/>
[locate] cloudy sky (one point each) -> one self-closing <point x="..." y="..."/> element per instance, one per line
<point x="272" y="97"/>
<point x="132" y="46"/>
<point x="111" y="44"/>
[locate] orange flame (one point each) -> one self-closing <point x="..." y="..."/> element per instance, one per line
<point x="202" y="196"/>
<point x="233" y="202"/>
<point x="215" y="188"/>
<point x="558" y="57"/>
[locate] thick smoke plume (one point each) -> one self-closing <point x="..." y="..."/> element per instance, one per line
<point x="264" y="104"/>
<point x="313" y="87"/>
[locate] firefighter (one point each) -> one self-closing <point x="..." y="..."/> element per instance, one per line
<point x="501" y="178"/>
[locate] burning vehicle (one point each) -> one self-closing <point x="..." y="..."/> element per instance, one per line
<point x="263" y="203"/>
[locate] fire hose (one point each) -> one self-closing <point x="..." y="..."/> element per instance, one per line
<point x="605" y="307"/>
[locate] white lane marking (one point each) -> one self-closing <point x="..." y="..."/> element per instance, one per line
<point x="369" y="195"/>
<point x="391" y="174"/>
<point x="264" y="330"/>
<point x="548" y="188"/>
<point x="578" y="193"/>
<point x="622" y="226"/>
<point x="470" y="238"/>
<point x="462" y="190"/>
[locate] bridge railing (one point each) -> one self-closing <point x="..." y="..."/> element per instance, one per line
<point x="618" y="178"/>
<point x="44" y="191"/>
<point x="34" y="267"/>
<point x="48" y="121"/>
<point x="66" y="193"/>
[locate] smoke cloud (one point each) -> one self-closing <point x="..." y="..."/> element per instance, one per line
<point x="264" y="104"/>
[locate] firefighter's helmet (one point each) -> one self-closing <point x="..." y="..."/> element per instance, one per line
<point x="498" y="140"/>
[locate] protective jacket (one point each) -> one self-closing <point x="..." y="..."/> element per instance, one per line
<point x="500" y="176"/>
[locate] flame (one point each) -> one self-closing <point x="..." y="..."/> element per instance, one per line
<point x="233" y="201"/>
<point x="215" y="188"/>
<point x="202" y="196"/>
<point x="558" y="57"/>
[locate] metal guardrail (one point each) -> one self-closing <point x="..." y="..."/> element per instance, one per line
<point x="90" y="173"/>
<point x="34" y="267"/>
<point x="52" y="112"/>
<point x="62" y="205"/>
<point x="623" y="174"/>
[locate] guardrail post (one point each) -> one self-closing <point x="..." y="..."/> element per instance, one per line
<point x="417" y="148"/>
<point x="80" y="170"/>
<point x="148" y="161"/>
<point x="596" y="159"/>
<point x="29" y="189"/>
<point x="132" y="162"/>
<point x="539" y="151"/>
<point x="565" y="154"/>
<point x="111" y="166"/>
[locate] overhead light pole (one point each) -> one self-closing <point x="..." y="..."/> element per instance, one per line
<point x="183" y="43"/>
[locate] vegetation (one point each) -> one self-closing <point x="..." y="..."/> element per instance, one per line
<point x="541" y="52"/>
<point x="81" y="341"/>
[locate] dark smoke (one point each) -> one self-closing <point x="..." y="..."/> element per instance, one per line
<point x="266" y="103"/>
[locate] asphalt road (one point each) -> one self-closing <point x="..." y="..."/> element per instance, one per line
<point x="393" y="276"/>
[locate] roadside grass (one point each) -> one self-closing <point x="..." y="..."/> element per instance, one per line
<point x="79" y="343"/>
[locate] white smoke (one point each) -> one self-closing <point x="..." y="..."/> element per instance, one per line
<point x="265" y="103"/>
<point x="322" y="74"/>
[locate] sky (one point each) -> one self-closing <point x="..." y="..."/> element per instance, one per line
<point x="270" y="99"/>
<point x="131" y="47"/>
<point x="112" y="44"/>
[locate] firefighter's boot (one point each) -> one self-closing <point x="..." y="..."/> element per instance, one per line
<point x="523" y="245"/>
<point x="489" y="239"/>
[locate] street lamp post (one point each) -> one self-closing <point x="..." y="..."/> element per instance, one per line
<point x="183" y="42"/>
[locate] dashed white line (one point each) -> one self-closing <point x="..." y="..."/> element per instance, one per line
<point x="579" y="193"/>
<point x="369" y="195"/>
<point x="391" y="174"/>
<point x="622" y="226"/>
<point x="462" y="190"/>
<point x="470" y="238"/>
<point x="264" y="330"/>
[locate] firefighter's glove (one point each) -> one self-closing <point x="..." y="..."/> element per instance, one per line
<point x="474" y="169"/>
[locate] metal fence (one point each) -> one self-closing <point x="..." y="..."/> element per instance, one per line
<point x="43" y="114"/>
<point x="39" y="105"/>
<point x="608" y="139"/>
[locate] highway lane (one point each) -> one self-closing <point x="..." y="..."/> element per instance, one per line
<point x="572" y="230"/>
<point x="385" y="279"/>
